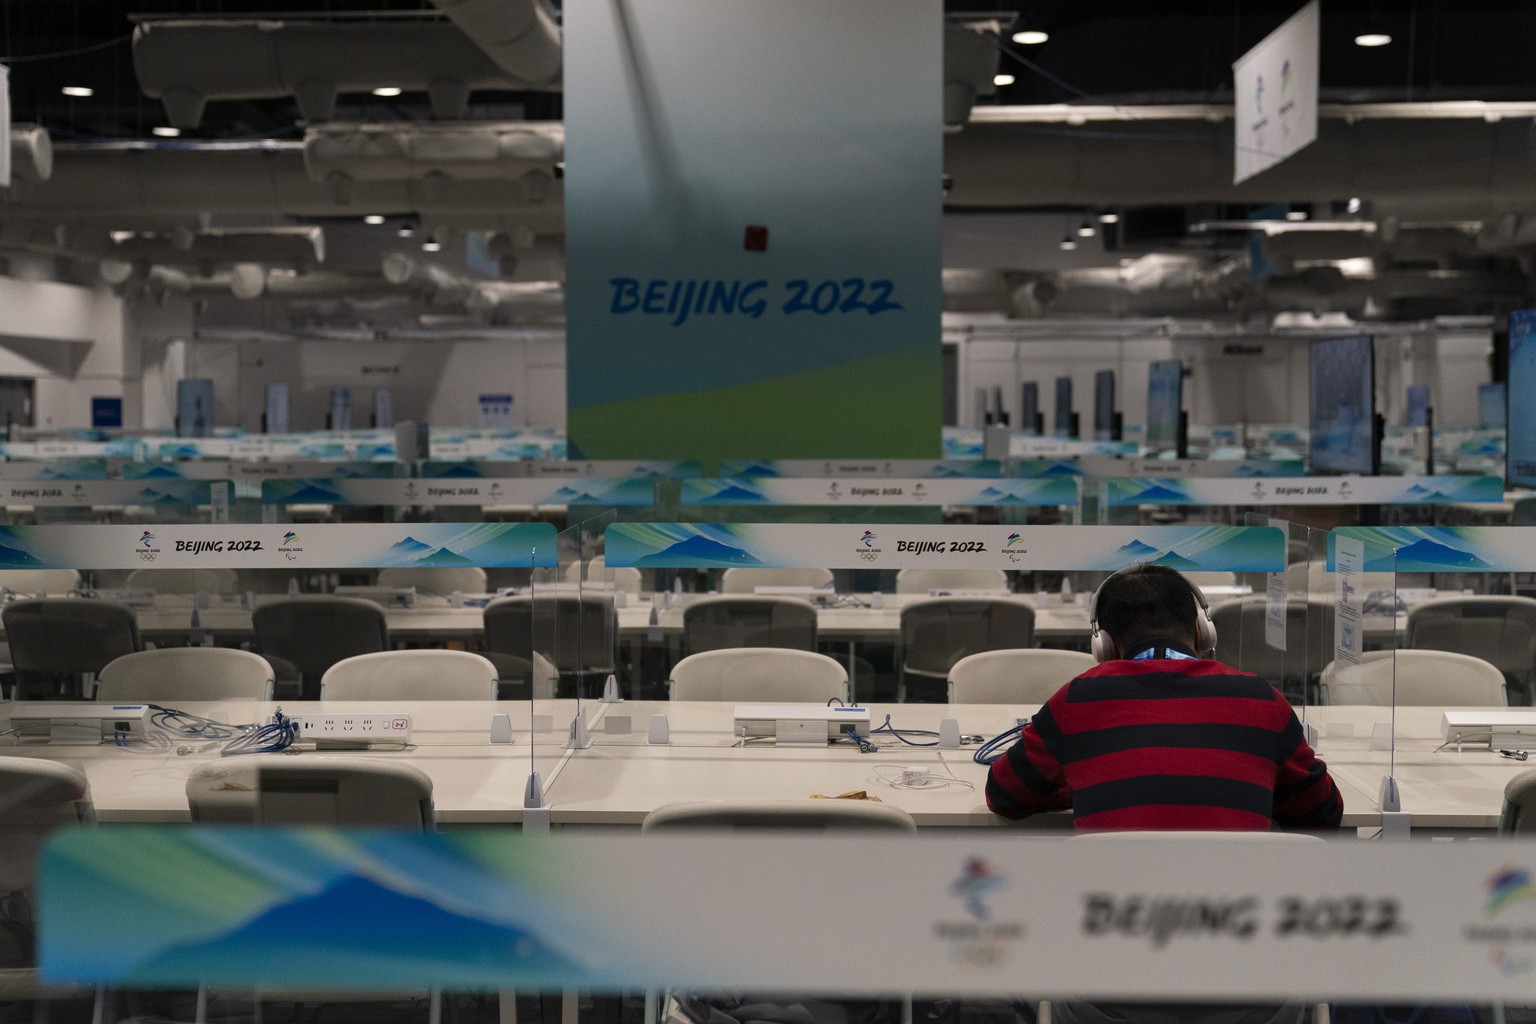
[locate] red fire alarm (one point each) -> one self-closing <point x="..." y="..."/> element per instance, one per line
<point x="757" y="238"/>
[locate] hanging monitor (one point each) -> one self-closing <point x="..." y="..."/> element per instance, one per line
<point x="1104" y="405"/>
<point x="1343" y="416"/>
<point x="194" y="407"/>
<point x="275" y="418"/>
<point x="1520" y="444"/>
<point x="1492" y="406"/>
<point x="1417" y="414"/>
<point x="1030" y="421"/>
<point x="341" y="409"/>
<point x="1165" y="403"/>
<point x="1063" y="425"/>
<point x="383" y="409"/>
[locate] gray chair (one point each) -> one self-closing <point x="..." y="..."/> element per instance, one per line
<point x="577" y="634"/>
<point x="718" y="623"/>
<point x="1241" y="629"/>
<point x="764" y="674"/>
<point x="304" y="636"/>
<point x="1025" y="676"/>
<point x="801" y="815"/>
<point x="274" y="789"/>
<point x="57" y="642"/>
<point x="937" y="633"/>
<point x="174" y="674"/>
<point x="1501" y="630"/>
<point x="1519" y="798"/>
<point x="1415" y="679"/>
<point x="466" y="579"/>
<point x="411" y="675"/>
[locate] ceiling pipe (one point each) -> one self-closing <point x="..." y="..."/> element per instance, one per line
<point x="522" y="37"/>
<point x="31" y="153"/>
<point x="466" y="151"/>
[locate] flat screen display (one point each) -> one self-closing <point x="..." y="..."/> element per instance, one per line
<point x="1165" y="399"/>
<point x="277" y="408"/>
<point x="1103" y="405"/>
<point x="1029" y="407"/>
<point x="1418" y="406"/>
<point x="341" y="408"/>
<point x="194" y="407"/>
<point x="1520" y="445"/>
<point x="1492" y="411"/>
<point x="1343" y="392"/>
<point x="1063" y="422"/>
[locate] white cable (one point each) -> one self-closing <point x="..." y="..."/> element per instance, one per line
<point x="901" y="776"/>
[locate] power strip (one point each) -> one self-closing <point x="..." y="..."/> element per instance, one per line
<point x="333" y="731"/>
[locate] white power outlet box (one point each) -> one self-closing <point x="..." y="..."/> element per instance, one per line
<point x="802" y="723"/>
<point x="80" y="724"/>
<point x="354" y="730"/>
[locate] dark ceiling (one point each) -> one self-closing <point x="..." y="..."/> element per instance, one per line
<point x="1125" y="51"/>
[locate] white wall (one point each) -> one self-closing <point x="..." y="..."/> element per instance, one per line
<point x="67" y="339"/>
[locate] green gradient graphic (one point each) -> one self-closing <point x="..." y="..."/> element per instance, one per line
<point x="885" y="407"/>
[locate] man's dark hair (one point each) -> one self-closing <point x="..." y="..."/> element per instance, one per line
<point x="1146" y="602"/>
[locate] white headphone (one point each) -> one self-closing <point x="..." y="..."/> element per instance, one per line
<point x="1099" y="642"/>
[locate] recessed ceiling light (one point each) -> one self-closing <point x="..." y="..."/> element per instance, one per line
<point x="431" y="246"/>
<point x="1296" y="215"/>
<point x="1067" y="243"/>
<point x="1353" y="206"/>
<point x="387" y="91"/>
<point x="1031" y="37"/>
<point x="1086" y="230"/>
<point x="406" y="231"/>
<point x="81" y="91"/>
<point x="1003" y="79"/>
<point x="374" y="218"/>
<point x="1372" y="39"/>
<point x="165" y="131"/>
<point x="1109" y="218"/>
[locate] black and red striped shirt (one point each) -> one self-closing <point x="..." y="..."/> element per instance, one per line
<point x="1166" y="744"/>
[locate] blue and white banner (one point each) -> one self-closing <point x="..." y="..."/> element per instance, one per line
<point x="827" y="468"/>
<point x="171" y="493"/>
<point x="55" y="469"/>
<point x="1443" y="548"/>
<point x="468" y="491"/>
<point x="881" y="491"/>
<point x="1304" y="490"/>
<point x="904" y="546"/>
<point x="533" y="443"/>
<point x="262" y="546"/>
<point x="1163" y="918"/>
<point x="122" y="447"/>
<point x="1100" y="466"/>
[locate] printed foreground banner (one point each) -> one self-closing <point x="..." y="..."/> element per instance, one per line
<point x="1053" y="490"/>
<point x="753" y="206"/>
<point x="467" y="491"/>
<point x="1305" y="490"/>
<point x="1442" y="548"/>
<point x="256" y="546"/>
<point x="1167" y="917"/>
<point x="903" y="546"/>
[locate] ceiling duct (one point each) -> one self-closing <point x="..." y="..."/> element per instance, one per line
<point x="299" y="247"/>
<point x="339" y="155"/>
<point x="31" y="153"/>
<point x="970" y="65"/>
<point x="521" y="37"/>
<point x="185" y="63"/>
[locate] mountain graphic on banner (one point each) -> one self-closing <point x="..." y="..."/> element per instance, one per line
<point x="13" y="557"/>
<point x="442" y="556"/>
<point x="1157" y="492"/>
<point x="736" y="493"/>
<point x="358" y="921"/>
<point x="1428" y="552"/>
<point x="1138" y="551"/>
<point x="699" y="552"/>
<point x="1174" y="560"/>
<point x="409" y="546"/>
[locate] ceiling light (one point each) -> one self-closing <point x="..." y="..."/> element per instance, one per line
<point x="1003" y="79"/>
<point x="431" y="245"/>
<point x="388" y="91"/>
<point x="1086" y="230"/>
<point x="1372" y="39"/>
<point x="406" y="231"/>
<point x="373" y="218"/>
<point x="1067" y="243"/>
<point x="165" y="131"/>
<point x="1353" y="206"/>
<point x="1296" y="215"/>
<point x="81" y="91"/>
<point x="1031" y="37"/>
<point x="1109" y="218"/>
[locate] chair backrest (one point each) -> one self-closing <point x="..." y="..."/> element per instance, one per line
<point x="1498" y="629"/>
<point x="1025" y="676"/>
<point x="920" y="581"/>
<point x="184" y="581"/>
<point x="445" y="579"/>
<point x="185" y="673"/>
<point x="36" y="797"/>
<point x="1519" y="798"/>
<point x="713" y="623"/>
<point x="410" y="675"/>
<point x="624" y="577"/>
<point x="743" y="580"/>
<point x="39" y="581"/>
<point x="1212" y="579"/>
<point x="311" y="790"/>
<point x="583" y="630"/>
<point x="60" y="635"/>
<point x="784" y="676"/>
<point x="698" y="676"/>
<point x="1243" y="642"/>
<point x="803" y="815"/>
<point x="1423" y="678"/>
<point x="315" y="632"/>
<point x="938" y="632"/>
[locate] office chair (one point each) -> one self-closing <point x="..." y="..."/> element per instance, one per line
<point x="1241" y="625"/>
<point x="577" y="634"/>
<point x="444" y="580"/>
<point x="744" y="580"/>
<point x="1498" y="629"/>
<point x="623" y="577"/>
<point x="1519" y="798"/>
<point x="801" y="815"/>
<point x="1025" y="676"/>
<point x="1423" y="679"/>
<point x="714" y="623"/>
<point x="937" y="633"/>
<point x="56" y="642"/>
<point x="173" y="674"/>
<point x="410" y="675"/>
<point x="921" y="581"/>
<point x="762" y="674"/>
<point x="274" y="789"/>
<point x="304" y="636"/>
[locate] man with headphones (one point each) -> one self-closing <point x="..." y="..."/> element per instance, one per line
<point x="1159" y="735"/>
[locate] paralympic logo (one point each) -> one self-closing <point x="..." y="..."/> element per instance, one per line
<point x="975" y="882"/>
<point x="1012" y="552"/>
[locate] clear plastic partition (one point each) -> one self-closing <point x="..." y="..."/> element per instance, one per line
<point x="1284" y="630"/>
